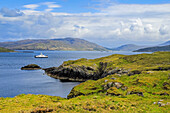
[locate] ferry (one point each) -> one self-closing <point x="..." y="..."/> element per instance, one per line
<point x="41" y="56"/>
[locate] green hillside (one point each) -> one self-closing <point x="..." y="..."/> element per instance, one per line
<point x="141" y="84"/>
<point x="5" y="50"/>
<point x="72" y="44"/>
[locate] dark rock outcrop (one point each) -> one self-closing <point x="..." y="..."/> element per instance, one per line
<point x="31" y="67"/>
<point x="83" y="73"/>
<point x="134" y="72"/>
<point x="72" y="73"/>
<point x="135" y="92"/>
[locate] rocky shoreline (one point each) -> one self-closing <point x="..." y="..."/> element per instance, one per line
<point x="83" y="73"/>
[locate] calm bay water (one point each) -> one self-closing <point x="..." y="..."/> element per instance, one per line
<point x="14" y="81"/>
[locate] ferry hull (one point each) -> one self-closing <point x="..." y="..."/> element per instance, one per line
<point x="40" y="57"/>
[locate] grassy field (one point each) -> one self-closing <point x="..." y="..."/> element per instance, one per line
<point x="145" y="92"/>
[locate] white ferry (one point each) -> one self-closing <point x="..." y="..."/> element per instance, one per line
<point x="41" y="56"/>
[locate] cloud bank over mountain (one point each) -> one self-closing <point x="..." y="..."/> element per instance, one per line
<point x="112" y="25"/>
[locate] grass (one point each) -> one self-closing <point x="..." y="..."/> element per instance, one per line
<point x="151" y="83"/>
<point x="28" y="103"/>
<point x="145" y="92"/>
<point x="91" y="103"/>
<point x="134" y="62"/>
<point x="5" y="50"/>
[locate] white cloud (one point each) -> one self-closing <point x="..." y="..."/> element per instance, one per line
<point x="164" y="29"/>
<point x="54" y="6"/>
<point x="51" y="5"/>
<point x="117" y="32"/>
<point x="148" y="28"/>
<point x="48" y="10"/>
<point x="31" y="6"/>
<point x="116" y="24"/>
<point x="136" y="9"/>
<point x="137" y="26"/>
<point x="32" y="12"/>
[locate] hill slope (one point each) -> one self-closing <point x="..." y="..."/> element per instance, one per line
<point x="5" y="50"/>
<point x="127" y="47"/>
<point x="153" y="49"/>
<point x="166" y="43"/>
<point x="54" y="44"/>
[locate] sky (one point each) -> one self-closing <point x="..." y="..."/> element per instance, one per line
<point x="109" y="23"/>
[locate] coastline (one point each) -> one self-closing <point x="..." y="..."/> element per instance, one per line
<point x="134" y="85"/>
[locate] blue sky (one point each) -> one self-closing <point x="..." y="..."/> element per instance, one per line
<point x="74" y="6"/>
<point x="67" y="5"/>
<point x="109" y="23"/>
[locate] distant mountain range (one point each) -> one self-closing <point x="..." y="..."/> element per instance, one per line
<point x="70" y="44"/>
<point x="155" y="48"/>
<point x="76" y="44"/>
<point x="166" y="43"/>
<point x="137" y="48"/>
<point x="162" y="47"/>
<point x="127" y="47"/>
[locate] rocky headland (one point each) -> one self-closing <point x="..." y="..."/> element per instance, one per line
<point x="94" y="69"/>
<point x="84" y="73"/>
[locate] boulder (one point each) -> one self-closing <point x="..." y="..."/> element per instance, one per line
<point x="113" y="78"/>
<point x="135" y="92"/>
<point x="118" y="85"/>
<point x="124" y="88"/>
<point x="112" y="84"/>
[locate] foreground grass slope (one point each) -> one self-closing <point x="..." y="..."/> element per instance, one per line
<point x="98" y="96"/>
<point x="147" y="91"/>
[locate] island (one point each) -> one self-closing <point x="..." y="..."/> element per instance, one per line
<point x="31" y="67"/>
<point x="116" y="83"/>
